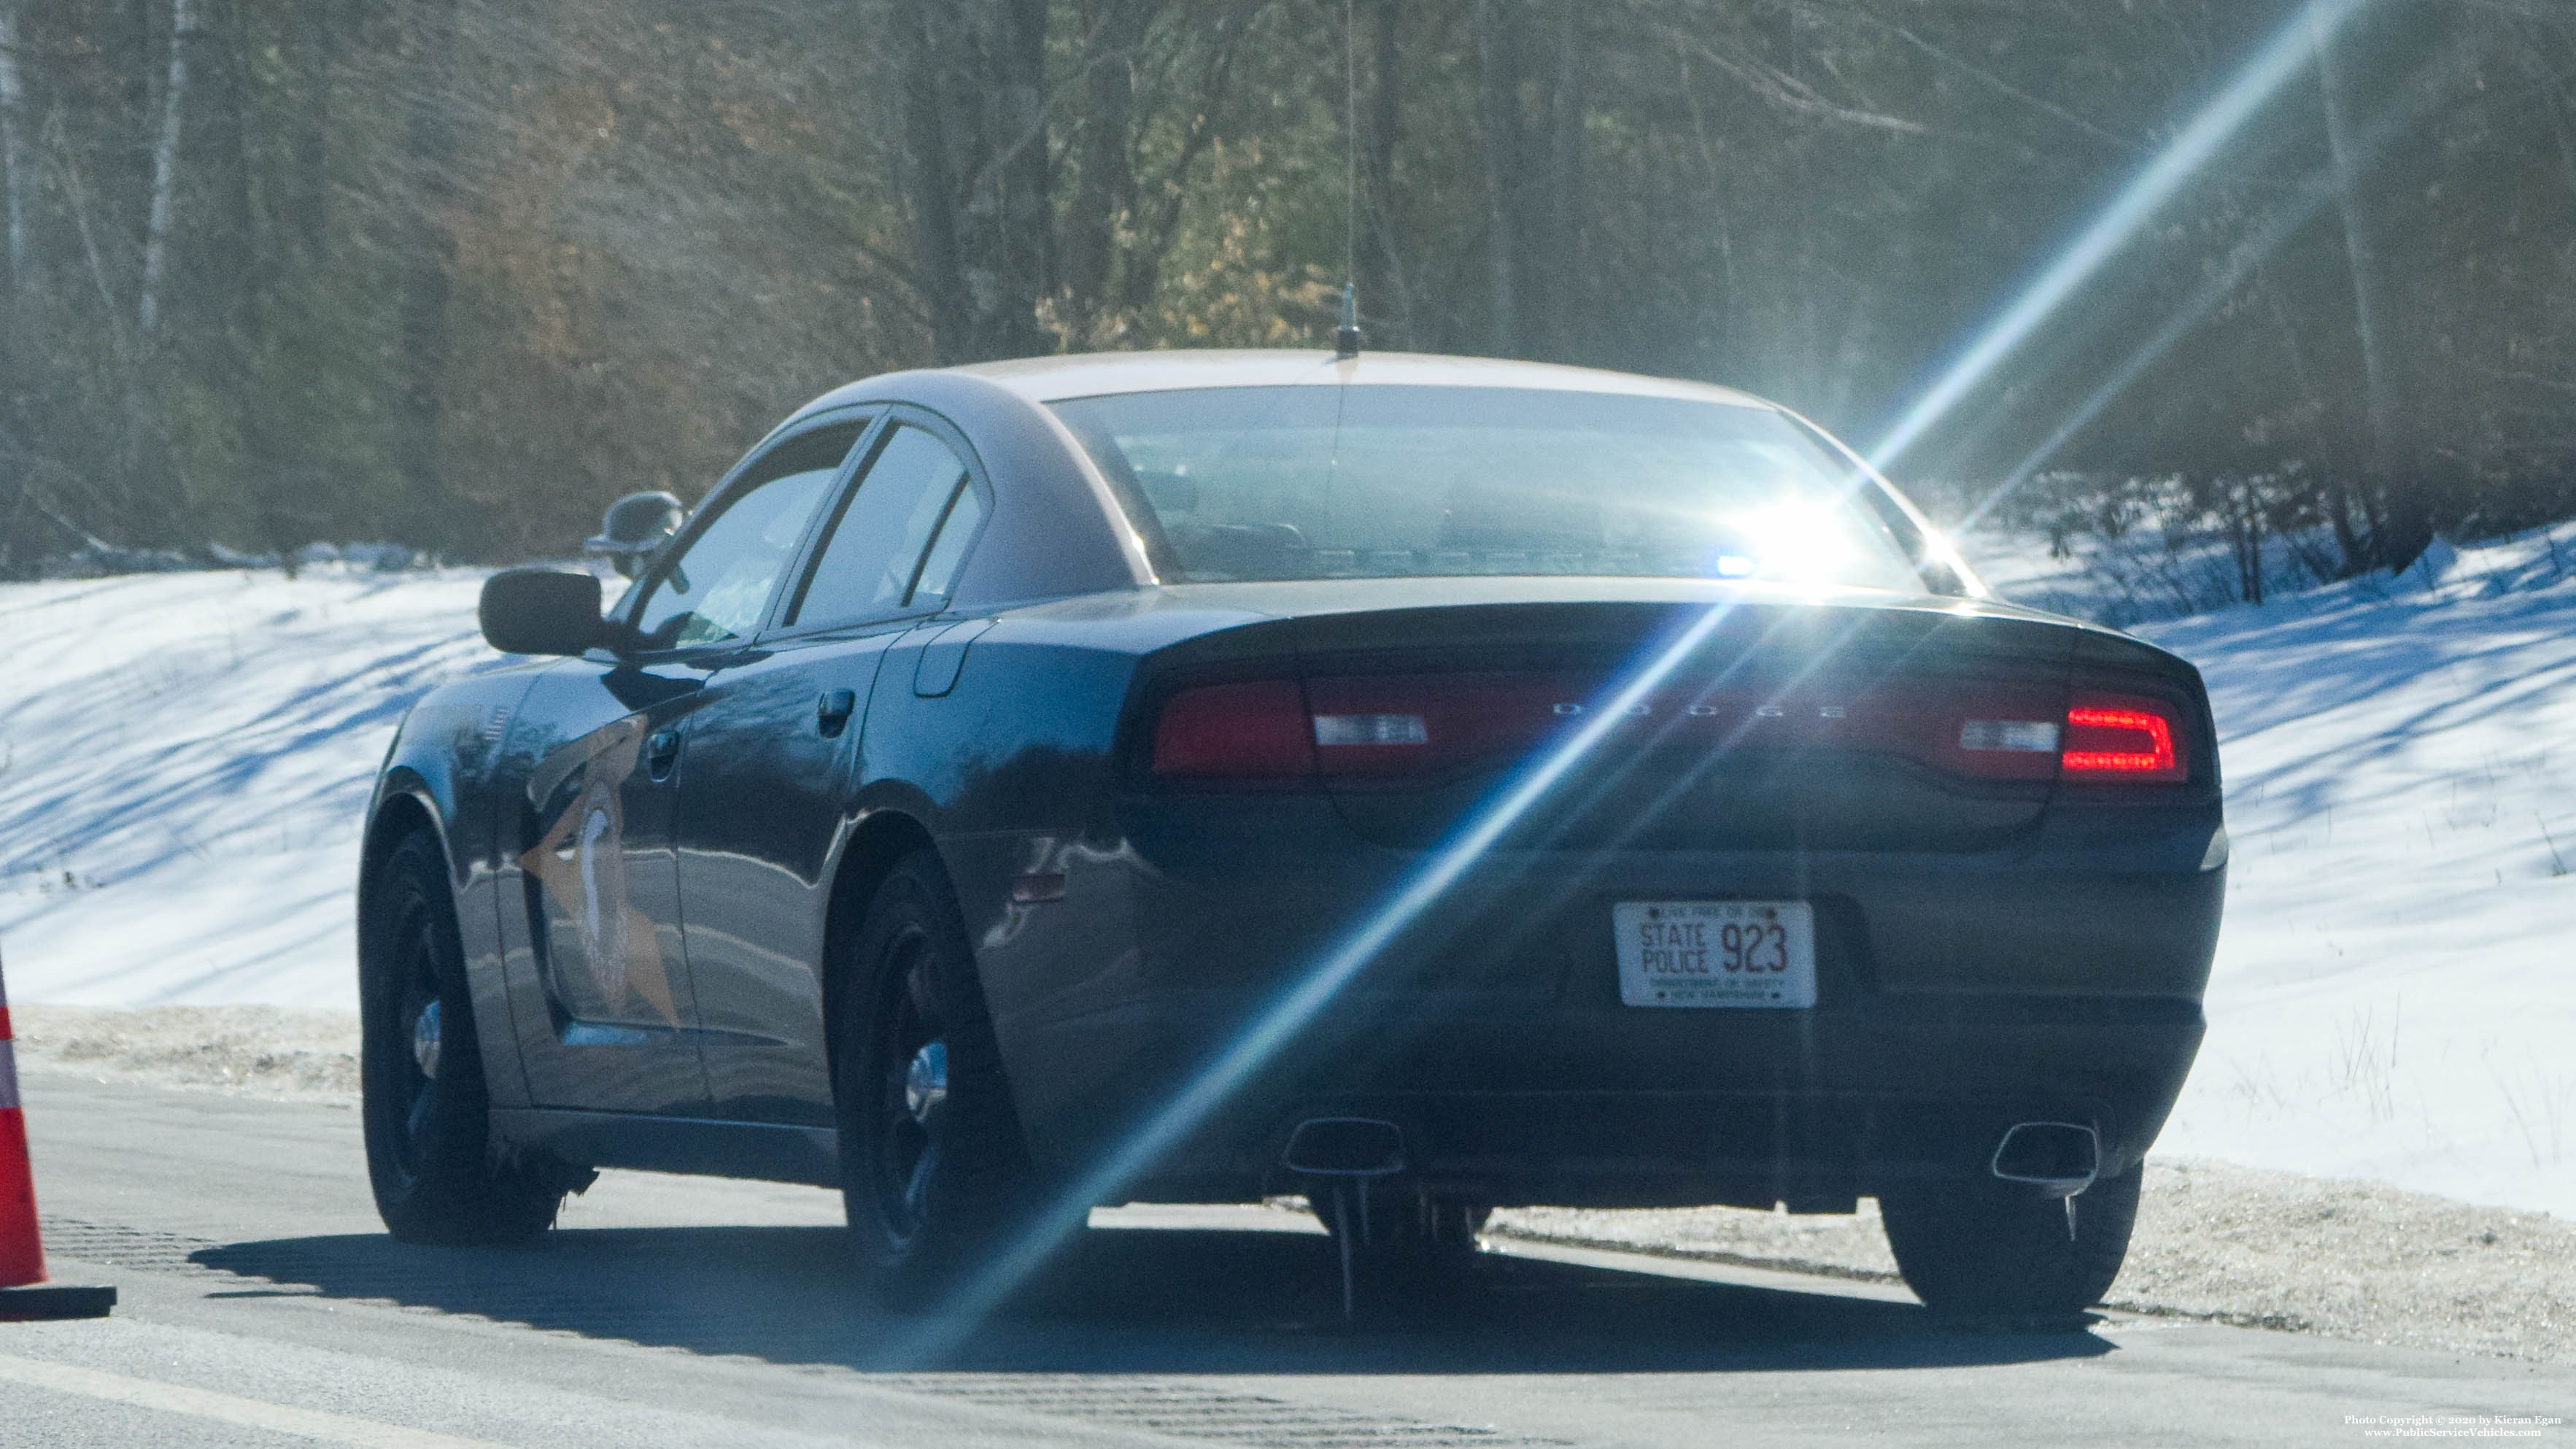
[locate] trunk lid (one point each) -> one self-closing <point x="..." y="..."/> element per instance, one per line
<point x="1837" y="725"/>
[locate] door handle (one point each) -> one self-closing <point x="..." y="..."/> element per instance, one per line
<point x="832" y="711"/>
<point x="661" y="753"/>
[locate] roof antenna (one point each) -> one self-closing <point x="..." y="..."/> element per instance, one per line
<point x="1346" y="341"/>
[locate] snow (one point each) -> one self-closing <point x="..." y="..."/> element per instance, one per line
<point x="184" y="763"/>
<point x="184" y="759"/>
<point x="2395" y="990"/>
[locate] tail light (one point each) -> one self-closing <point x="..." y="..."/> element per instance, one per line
<point x="1256" y="730"/>
<point x="2123" y="739"/>
<point x="2100" y="739"/>
<point x="1393" y="727"/>
<point x="1359" y="726"/>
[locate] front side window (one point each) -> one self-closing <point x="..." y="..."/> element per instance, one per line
<point x="719" y="586"/>
<point x="1390" y="480"/>
<point x="866" y="567"/>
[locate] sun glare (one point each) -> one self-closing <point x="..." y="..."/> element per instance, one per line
<point x="2290" y="51"/>
<point x="1788" y="543"/>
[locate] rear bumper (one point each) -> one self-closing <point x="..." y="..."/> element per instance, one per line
<point x="1652" y="1108"/>
<point x="1957" y="995"/>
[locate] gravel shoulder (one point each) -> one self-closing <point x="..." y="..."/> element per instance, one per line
<point x="2240" y="1245"/>
<point x="258" y="1051"/>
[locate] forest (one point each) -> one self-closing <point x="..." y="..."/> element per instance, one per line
<point x="451" y="274"/>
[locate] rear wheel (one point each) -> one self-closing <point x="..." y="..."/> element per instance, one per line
<point x="933" y="1166"/>
<point x="1976" y="1246"/>
<point x="426" y="1110"/>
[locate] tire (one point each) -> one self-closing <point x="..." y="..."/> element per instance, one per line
<point x="426" y="1109"/>
<point x="934" y="1169"/>
<point x="1978" y="1247"/>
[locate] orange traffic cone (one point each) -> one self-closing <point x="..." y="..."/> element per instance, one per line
<point x="24" y="1294"/>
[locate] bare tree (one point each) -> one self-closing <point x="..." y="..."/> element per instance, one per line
<point x="1532" y="105"/>
<point x="1381" y="266"/>
<point x="165" y="177"/>
<point x="13" y="157"/>
<point x="1030" y="196"/>
<point x="975" y="170"/>
<point x="2361" y="265"/>
<point x="1104" y="173"/>
<point x="1149" y="85"/>
<point x="1498" y="53"/>
<point x="429" y="265"/>
<point x="321" y="30"/>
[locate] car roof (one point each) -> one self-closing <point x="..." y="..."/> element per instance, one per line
<point x="1095" y="374"/>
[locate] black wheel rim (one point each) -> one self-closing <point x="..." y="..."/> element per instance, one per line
<point x="413" y="1102"/>
<point x="906" y="1160"/>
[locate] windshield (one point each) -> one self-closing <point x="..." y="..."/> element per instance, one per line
<point x="1393" y="481"/>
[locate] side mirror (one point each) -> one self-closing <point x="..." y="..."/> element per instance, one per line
<point x="541" y="611"/>
<point x="633" y="529"/>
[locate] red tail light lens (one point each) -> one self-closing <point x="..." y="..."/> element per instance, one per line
<point x="1257" y="730"/>
<point x="2122" y="739"/>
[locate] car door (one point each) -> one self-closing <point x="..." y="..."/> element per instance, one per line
<point x="602" y="999"/>
<point x="774" y="755"/>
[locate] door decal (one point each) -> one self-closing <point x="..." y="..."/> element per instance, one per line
<point x="581" y="862"/>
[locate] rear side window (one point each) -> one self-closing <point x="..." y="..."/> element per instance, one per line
<point x="939" y="571"/>
<point x="718" y="588"/>
<point x="868" y="562"/>
<point x="1378" y="481"/>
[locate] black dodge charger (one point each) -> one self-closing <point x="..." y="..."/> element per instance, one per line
<point x="1420" y="783"/>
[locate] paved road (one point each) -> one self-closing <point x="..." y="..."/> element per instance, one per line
<point x="262" y="1306"/>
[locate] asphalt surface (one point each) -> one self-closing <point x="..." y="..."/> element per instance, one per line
<point x="262" y="1305"/>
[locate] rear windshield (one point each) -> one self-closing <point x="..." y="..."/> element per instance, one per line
<point x="1387" y="481"/>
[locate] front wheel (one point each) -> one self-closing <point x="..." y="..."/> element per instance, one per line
<point x="933" y="1166"/>
<point x="426" y="1111"/>
<point x="1976" y="1246"/>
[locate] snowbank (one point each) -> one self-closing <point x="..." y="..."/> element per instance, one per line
<point x="184" y="758"/>
<point x="2395" y="993"/>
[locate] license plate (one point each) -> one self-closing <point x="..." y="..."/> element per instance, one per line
<point x="1716" y="953"/>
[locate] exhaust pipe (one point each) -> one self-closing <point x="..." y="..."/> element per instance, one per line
<point x="2060" y="1159"/>
<point x="1345" y="1147"/>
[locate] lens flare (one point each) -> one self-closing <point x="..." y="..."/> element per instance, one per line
<point x="1280" y="1021"/>
<point x="2290" y="50"/>
<point x="1797" y="543"/>
<point x="2311" y="198"/>
<point x="1289" y="1013"/>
